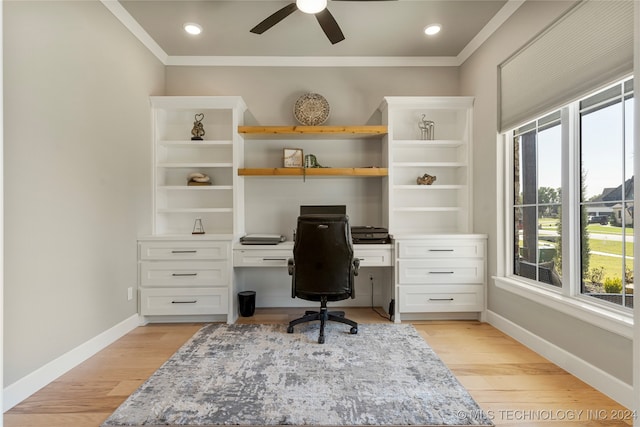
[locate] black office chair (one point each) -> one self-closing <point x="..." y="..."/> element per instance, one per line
<point x="323" y="267"/>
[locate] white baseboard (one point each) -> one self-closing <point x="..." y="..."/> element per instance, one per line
<point x="602" y="381"/>
<point x="26" y="386"/>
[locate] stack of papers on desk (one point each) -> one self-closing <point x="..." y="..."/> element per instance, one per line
<point x="262" y="239"/>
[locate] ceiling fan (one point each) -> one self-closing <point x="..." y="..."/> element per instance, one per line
<point x="315" y="7"/>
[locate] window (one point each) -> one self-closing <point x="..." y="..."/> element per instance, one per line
<point x="537" y="179"/>
<point x="606" y="200"/>
<point x="572" y="179"/>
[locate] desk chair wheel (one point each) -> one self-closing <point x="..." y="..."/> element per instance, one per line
<point x="321" y="340"/>
<point x="290" y="330"/>
<point x="354" y="331"/>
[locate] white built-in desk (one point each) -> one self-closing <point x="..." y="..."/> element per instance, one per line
<point x="262" y="268"/>
<point x="370" y="255"/>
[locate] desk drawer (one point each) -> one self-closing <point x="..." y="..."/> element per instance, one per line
<point x="184" y="250"/>
<point x="167" y="274"/>
<point x="159" y="302"/>
<point x="279" y="257"/>
<point x="261" y="258"/>
<point x="440" y="248"/>
<point x="419" y="271"/>
<point x="374" y="257"/>
<point x="441" y="298"/>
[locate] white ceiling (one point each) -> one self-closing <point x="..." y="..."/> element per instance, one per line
<point x="376" y="32"/>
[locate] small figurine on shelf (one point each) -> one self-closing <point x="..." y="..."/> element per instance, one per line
<point x="427" y="128"/>
<point x="311" y="161"/>
<point x="198" y="178"/>
<point x="426" y="179"/>
<point x="198" y="128"/>
<point x="197" y="227"/>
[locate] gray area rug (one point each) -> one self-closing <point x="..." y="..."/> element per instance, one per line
<point x="259" y="375"/>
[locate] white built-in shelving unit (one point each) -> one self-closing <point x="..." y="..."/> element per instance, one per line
<point x="444" y="206"/>
<point x="439" y="265"/>
<point x="181" y="274"/>
<point x="176" y="205"/>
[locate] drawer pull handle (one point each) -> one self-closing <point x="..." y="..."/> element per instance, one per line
<point x="273" y="259"/>
<point x="440" y="250"/>
<point x="184" y="252"/>
<point x="185" y="302"/>
<point x="440" y="299"/>
<point x="441" y="272"/>
<point x="183" y="274"/>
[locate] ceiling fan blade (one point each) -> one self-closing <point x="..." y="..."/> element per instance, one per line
<point x="330" y="26"/>
<point x="273" y="19"/>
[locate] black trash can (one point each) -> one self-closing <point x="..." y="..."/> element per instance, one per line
<point x="247" y="303"/>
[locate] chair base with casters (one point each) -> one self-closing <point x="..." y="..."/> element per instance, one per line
<point x="323" y="316"/>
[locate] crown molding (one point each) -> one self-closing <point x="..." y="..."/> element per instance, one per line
<point x="503" y="14"/>
<point x="312" y="61"/>
<point x="132" y="25"/>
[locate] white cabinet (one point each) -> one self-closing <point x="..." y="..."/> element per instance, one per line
<point x="439" y="275"/>
<point x="177" y="205"/>
<point x="185" y="278"/>
<point x="445" y="205"/>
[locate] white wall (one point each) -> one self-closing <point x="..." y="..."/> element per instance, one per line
<point x="478" y="76"/>
<point x="77" y="175"/>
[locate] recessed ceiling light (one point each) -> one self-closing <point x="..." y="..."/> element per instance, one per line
<point x="192" y="28"/>
<point x="311" y="6"/>
<point x="432" y="29"/>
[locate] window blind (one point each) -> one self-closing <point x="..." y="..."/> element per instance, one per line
<point x="590" y="46"/>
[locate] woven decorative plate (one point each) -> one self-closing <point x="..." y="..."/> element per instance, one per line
<point x="311" y="109"/>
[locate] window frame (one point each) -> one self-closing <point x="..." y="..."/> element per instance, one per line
<point x="548" y="121"/>
<point x="568" y="298"/>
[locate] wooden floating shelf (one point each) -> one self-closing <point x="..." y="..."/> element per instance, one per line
<point x="365" y="131"/>
<point x="362" y="172"/>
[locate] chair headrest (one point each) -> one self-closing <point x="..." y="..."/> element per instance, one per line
<point x="324" y="217"/>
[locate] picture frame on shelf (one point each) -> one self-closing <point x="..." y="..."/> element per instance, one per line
<point x="293" y="158"/>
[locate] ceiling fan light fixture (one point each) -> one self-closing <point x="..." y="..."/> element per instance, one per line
<point x="432" y="29"/>
<point x="311" y="6"/>
<point x="192" y="28"/>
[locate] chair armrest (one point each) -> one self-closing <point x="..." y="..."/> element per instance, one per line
<point x="356" y="266"/>
<point x="290" y="266"/>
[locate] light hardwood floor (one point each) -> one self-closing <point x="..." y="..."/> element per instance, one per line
<point x="514" y="385"/>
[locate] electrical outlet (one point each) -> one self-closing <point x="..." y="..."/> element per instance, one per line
<point x="129" y="293"/>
